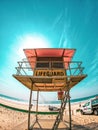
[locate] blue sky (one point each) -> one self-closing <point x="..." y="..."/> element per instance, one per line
<point x="48" y="23"/>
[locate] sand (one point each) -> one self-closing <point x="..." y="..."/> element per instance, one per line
<point x="15" y="120"/>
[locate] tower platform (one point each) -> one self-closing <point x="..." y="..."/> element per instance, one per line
<point x="42" y="83"/>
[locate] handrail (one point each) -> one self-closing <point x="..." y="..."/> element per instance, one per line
<point x="74" y="67"/>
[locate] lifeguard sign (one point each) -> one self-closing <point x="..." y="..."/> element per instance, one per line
<point x="53" y="72"/>
<point x="50" y="69"/>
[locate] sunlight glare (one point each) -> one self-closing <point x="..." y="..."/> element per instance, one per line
<point x="32" y="41"/>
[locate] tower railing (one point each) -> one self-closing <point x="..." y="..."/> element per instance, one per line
<point x="72" y="68"/>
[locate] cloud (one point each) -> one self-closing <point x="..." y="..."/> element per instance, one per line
<point x="56" y="21"/>
<point x="94" y="63"/>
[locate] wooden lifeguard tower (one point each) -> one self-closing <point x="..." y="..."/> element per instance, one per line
<point x="50" y="69"/>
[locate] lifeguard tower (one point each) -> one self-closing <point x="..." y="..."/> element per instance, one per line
<point x="50" y="70"/>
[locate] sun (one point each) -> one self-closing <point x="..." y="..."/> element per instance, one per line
<point x="32" y="41"/>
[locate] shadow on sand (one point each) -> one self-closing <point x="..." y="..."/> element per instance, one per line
<point x="90" y="126"/>
<point x="75" y="126"/>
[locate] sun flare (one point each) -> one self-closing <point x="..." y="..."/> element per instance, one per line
<point x="32" y="41"/>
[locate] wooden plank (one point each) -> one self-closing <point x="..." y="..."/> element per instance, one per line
<point x="52" y="83"/>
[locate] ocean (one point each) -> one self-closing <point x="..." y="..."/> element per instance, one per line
<point x="2" y="96"/>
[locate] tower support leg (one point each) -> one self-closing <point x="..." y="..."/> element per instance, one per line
<point x="70" y="128"/>
<point x="30" y="99"/>
<point x="36" y="116"/>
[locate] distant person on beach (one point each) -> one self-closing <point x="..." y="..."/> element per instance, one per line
<point x="80" y="104"/>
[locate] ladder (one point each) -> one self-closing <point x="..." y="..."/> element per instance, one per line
<point x="60" y="114"/>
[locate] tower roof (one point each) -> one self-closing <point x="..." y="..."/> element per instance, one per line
<point x="33" y="54"/>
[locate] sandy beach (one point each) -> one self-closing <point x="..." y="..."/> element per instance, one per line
<point x="17" y="120"/>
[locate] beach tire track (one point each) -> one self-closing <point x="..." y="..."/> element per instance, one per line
<point x="21" y="125"/>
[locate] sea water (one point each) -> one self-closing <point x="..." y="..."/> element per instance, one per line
<point x="57" y="102"/>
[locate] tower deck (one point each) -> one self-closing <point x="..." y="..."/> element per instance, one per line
<point x="48" y="84"/>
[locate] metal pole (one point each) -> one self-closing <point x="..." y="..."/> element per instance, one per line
<point x="69" y="111"/>
<point x="37" y="104"/>
<point x="30" y="99"/>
